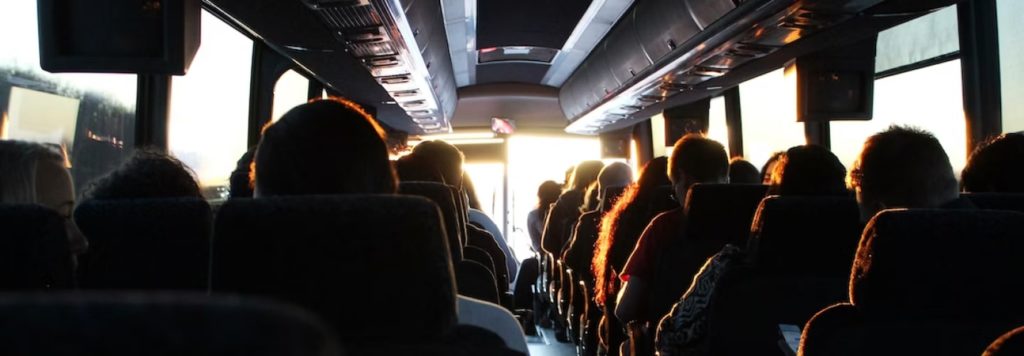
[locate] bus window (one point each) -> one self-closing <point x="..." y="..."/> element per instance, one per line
<point x="717" y="129"/>
<point x="1011" y="71"/>
<point x="928" y="98"/>
<point x="209" y="105"/>
<point x="291" y="90"/>
<point x="91" y="115"/>
<point x="768" y="104"/>
<point x="924" y="38"/>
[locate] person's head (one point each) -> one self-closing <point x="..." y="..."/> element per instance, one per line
<point x="32" y="173"/>
<point x="769" y="167"/>
<point x="328" y="146"/>
<point x="548" y="193"/>
<point x="241" y="181"/>
<point x="412" y="168"/>
<point x="697" y="159"/>
<point x="742" y="171"/>
<point x="446" y="158"/>
<point x="617" y="174"/>
<point x="902" y="167"/>
<point x="808" y="170"/>
<point x="996" y="165"/>
<point x="146" y="174"/>
<point x="585" y="175"/>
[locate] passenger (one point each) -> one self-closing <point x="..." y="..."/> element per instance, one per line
<point x="558" y="226"/>
<point x="334" y="147"/>
<point x="742" y="171"/>
<point x="547" y="194"/>
<point x="996" y="166"/>
<point x="411" y="168"/>
<point x="904" y="167"/>
<point x="32" y="173"/>
<point x="769" y="166"/>
<point x="695" y="159"/>
<point x="241" y="181"/>
<point x="808" y="170"/>
<point x="619" y="231"/>
<point x="146" y="174"/>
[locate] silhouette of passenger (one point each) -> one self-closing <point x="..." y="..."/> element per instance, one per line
<point x="742" y="171"/>
<point x="769" y="166"/>
<point x="580" y="249"/>
<point x="996" y="165"/>
<point x="903" y="167"/>
<point x="695" y="159"/>
<point x="412" y="168"/>
<point x="567" y="209"/>
<point x="146" y="174"/>
<point x="619" y="231"/>
<point x="241" y="181"/>
<point x="808" y="170"/>
<point x="333" y="146"/>
<point x="33" y="173"/>
<point x="547" y="194"/>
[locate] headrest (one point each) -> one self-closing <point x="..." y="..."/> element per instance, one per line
<point x="145" y="243"/>
<point x="806" y="235"/>
<point x="444" y="196"/>
<point x="376" y="267"/>
<point x="157" y="324"/>
<point x="997" y="201"/>
<point x="722" y="211"/>
<point x="941" y="264"/>
<point x="611" y="194"/>
<point x="1010" y="343"/>
<point x="664" y="200"/>
<point x="34" y="251"/>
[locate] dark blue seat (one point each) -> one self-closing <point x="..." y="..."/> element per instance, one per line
<point x="34" y="251"/>
<point x="997" y="201"/>
<point x="375" y="267"/>
<point x="799" y="258"/>
<point x="145" y="244"/>
<point x="937" y="282"/>
<point x="157" y="324"/>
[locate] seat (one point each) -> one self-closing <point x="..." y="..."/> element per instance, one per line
<point x="145" y="244"/>
<point x="375" y="267"/>
<point x="1011" y="343"/>
<point x="997" y="201"/>
<point x="716" y="215"/>
<point x="443" y="196"/>
<point x="157" y="324"/>
<point x="800" y="253"/>
<point x="940" y="282"/>
<point x="34" y="251"/>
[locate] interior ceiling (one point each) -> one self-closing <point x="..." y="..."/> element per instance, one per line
<point x="531" y="106"/>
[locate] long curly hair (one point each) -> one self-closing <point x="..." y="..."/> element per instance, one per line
<point x="623" y="224"/>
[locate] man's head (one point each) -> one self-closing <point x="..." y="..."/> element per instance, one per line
<point x="697" y="159"/>
<point x="902" y="167"/>
<point x="446" y="158"/>
<point x="995" y="166"/>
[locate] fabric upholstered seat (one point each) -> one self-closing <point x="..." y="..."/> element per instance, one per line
<point x="375" y="267"/>
<point x="997" y="201"/>
<point x="145" y="244"/>
<point x="443" y="196"/>
<point x="34" y="252"/>
<point x="1011" y="343"/>
<point x="800" y="254"/>
<point x="157" y="324"/>
<point x="941" y="282"/>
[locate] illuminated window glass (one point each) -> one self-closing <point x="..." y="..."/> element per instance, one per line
<point x="290" y="91"/>
<point x="210" y="105"/>
<point x="1011" y="50"/>
<point x="928" y="98"/>
<point x="926" y="37"/>
<point x="91" y="115"/>
<point x="768" y="104"/>
<point x="717" y="128"/>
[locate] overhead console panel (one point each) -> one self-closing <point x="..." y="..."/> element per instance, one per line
<point x="682" y="44"/>
<point x="402" y="43"/>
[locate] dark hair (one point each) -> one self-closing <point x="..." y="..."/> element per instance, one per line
<point x="766" y="169"/>
<point x="996" y="165"/>
<point x="742" y="171"/>
<point x="698" y="157"/>
<point x="328" y="146"/>
<point x="621" y="226"/>
<point x="241" y="181"/>
<point x="585" y="175"/>
<point x="808" y="170"/>
<point x="905" y="167"/>
<point x="146" y="174"/>
<point x="446" y="158"/>
<point x="547" y="194"/>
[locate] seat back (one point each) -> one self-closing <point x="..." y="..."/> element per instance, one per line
<point x="157" y="324"/>
<point x="941" y="265"/>
<point x="34" y="251"/>
<point x="806" y="236"/>
<point x="997" y="201"/>
<point x="444" y="197"/>
<point x="1011" y="343"/>
<point x="375" y="267"/>
<point x="145" y="244"/>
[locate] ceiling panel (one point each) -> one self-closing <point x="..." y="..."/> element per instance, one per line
<point x="511" y="73"/>
<point x="538" y="23"/>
